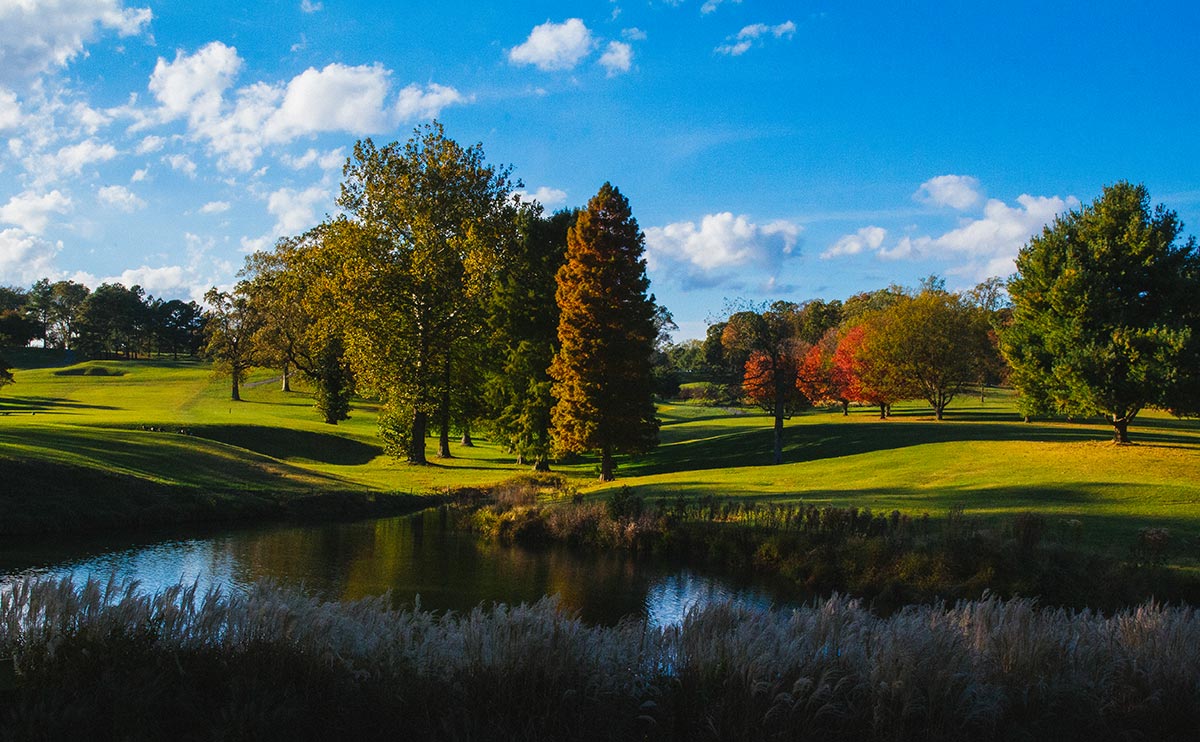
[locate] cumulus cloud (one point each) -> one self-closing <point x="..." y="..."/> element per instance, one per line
<point x="753" y="35"/>
<point x="545" y="195"/>
<point x="707" y="251"/>
<point x="150" y="144"/>
<point x="238" y="125"/>
<point x="554" y="46"/>
<point x="69" y="160"/>
<point x="121" y="198"/>
<point x="181" y="163"/>
<point x="215" y="207"/>
<point x="617" y="58"/>
<point x="294" y="210"/>
<point x="308" y="6"/>
<point x="334" y="159"/>
<point x="417" y="103"/>
<point x="10" y="110"/>
<point x="168" y="279"/>
<point x="987" y="246"/>
<point x="867" y="238"/>
<point x="46" y="35"/>
<point x="138" y="175"/>
<point x="956" y="191"/>
<point x="633" y="34"/>
<point x="31" y="211"/>
<point x="25" y="258"/>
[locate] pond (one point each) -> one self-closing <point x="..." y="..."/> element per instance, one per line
<point x="418" y="558"/>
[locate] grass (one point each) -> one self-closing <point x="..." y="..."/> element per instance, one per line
<point x="169" y="427"/>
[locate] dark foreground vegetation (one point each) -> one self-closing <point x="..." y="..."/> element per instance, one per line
<point x="102" y="662"/>
<point x="890" y="559"/>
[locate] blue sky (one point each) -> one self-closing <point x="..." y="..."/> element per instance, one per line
<point x="769" y="150"/>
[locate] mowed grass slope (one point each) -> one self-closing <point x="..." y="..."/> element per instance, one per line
<point x="171" y="425"/>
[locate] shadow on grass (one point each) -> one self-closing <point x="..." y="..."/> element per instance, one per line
<point x="698" y="447"/>
<point x="282" y="443"/>
<point x="45" y="404"/>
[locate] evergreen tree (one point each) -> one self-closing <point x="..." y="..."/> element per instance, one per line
<point x="1104" y="315"/>
<point x="603" y="384"/>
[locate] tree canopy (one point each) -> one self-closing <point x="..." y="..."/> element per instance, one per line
<point x="1104" y="316"/>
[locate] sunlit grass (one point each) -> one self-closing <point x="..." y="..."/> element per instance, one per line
<point x="173" y="423"/>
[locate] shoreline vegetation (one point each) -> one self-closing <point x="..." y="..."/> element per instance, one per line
<point x="274" y="663"/>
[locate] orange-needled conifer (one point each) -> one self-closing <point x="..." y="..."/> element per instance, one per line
<point x="603" y="387"/>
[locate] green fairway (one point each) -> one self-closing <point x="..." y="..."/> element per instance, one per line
<point x="171" y="424"/>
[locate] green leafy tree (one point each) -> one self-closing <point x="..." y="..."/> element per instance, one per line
<point x="928" y="346"/>
<point x="113" y="321"/>
<point x="603" y="384"/>
<point x="1104" y="317"/>
<point x="230" y="327"/>
<point x="427" y="223"/>
<point x="6" y="374"/>
<point x="524" y="326"/>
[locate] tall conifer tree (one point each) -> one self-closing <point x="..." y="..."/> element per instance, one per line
<point x="602" y="371"/>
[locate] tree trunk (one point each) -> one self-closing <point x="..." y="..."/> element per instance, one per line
<point x="606" y="464"/>
<point x="416" y="447"/>
<point x="444" y="415"/>
<point x="982" y="388"/>
<point x="1120" y="430"/>
<point x="287" y="383"/>
<point x="882" y="412"/>
<point x="235" y="393"/>
<point x="778" y="431"/>
<point x="466" y="441"/>
<point x="541" y="464"/>
<point x="845" y="409"/>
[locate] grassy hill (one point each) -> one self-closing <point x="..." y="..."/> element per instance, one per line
<point x="150" y="441"/>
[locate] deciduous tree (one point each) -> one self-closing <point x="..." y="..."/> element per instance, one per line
<point x="603" y="384"/>
<point x="230" y="325"/>
<point x="1104" y="312"/>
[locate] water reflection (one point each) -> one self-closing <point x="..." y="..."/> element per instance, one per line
<point x="410" y="556"/>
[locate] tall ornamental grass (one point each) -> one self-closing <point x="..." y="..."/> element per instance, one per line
<point x="104" y="661"/>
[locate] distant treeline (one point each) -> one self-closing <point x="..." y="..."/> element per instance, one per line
<point x="111" y="322"/>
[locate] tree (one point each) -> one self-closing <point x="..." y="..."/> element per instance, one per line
<point x="112" y="321"/>
<point x="524" y="326"/>
<point x="229" y="328"/>
<point x="6" y="375"/>
<point x="821" y="378"/>
<point x="427" y="223"/>
<point x="16" y="330"/>
<point x="927" y="345"/>
<point x="603" y="383"/>
<point x="768" y="338"/>
<point x="864" y="382"/>
<point x="1104" y="316"/>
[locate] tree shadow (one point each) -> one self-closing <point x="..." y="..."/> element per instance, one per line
<point x="283" y="443"/>
<point x="9" y="405"/>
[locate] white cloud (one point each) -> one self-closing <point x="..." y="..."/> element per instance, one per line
<point x="867" y="238"/>
<point x="10" y="110"/>
<point x="554" y="46"/>
<point x="69" y="160"/>
<point x="295" y="210"/>
<point x="138" y="175"/>
<point x="751" y="35"/>
<point x="167" y="279"/>
<point x="633" y="34"/>
<point x="956" y="191"/>
<point x="150" y="144"/>
<point x="120" y="197"/>
<point x="711" y="5"/>
<point x="44" y="35"/>
<point x="336" y="98"/>
<point x="237" y="127"/>
<point x="545" y="195"/>
<point x="987" y="246"/>
<point x="31" y="211"/>
<point x="415" y="103"/>
<point x="25" y="258"/>
<point x="334" y="159"/>
<point x="617" y="58"/>
<point x="214" y="207"/>
<point x="193" y="85"/>
<point x="720" y="242"/>
<point x="308" y="6"/>
<point x="182" y="164"/>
